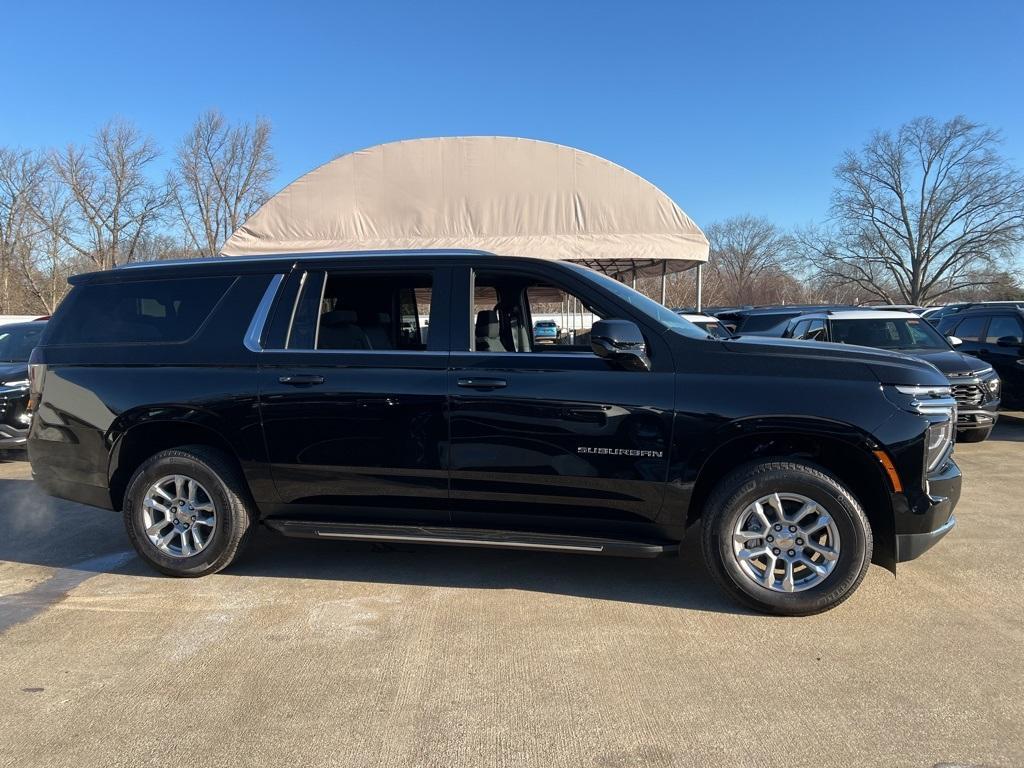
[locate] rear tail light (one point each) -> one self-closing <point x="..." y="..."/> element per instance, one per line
<point x="36" y="375"/>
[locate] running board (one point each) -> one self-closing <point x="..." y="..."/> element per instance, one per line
<point x="472" y="537"/>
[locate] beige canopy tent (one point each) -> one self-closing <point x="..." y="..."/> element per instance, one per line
<point x="507" y="196"/>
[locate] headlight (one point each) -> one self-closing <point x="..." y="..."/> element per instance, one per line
<point x="939" y="407"/>
<point x="993" y="385"/>
<point x="938" y="437"/>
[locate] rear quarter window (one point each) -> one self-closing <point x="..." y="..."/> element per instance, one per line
<point x="141" y="311"/>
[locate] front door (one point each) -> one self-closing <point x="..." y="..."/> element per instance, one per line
<point x="545" y="434"/>
<point x="353" y="397"/>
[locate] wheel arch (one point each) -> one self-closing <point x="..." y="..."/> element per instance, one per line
<point x="840" y="449"/>
<point x="135" y="439"/>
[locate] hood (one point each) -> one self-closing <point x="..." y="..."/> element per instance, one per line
<point x="953" y="363"/>
<point x="888" y="367"/>
<point x="13" y="372"/>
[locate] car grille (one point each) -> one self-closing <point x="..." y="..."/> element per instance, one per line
<point x="968" y="395"/>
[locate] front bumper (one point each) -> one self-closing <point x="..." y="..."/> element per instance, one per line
<point x="932" y="519"/>
<point x="913" y="545"/>
<point x="13" y="417"/>
<point x="983" y="417"/>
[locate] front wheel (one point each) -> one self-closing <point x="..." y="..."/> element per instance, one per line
<point x="785" y="537"/>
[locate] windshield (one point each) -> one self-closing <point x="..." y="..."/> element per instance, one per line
<point x="649" y="307"/>
<point x="892" y="333"/>
<point x="17" y="342"/>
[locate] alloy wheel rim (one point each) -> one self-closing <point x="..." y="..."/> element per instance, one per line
<point x="179" y="516"/>
<point x="785" y="542"/>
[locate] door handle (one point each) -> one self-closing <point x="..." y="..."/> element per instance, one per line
<point x="302" y="380"/>
<point x="483" y="383"/>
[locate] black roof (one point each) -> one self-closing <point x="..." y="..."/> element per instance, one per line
<point x="261" y="263"/>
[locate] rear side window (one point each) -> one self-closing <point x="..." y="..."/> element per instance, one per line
<point x="153" y="311"/>
<point x="362" y="312"/>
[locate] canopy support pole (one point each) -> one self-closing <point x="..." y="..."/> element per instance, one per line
<point x="633" y="286"/>
<point x="700" y="287"/>
<point x="664" y="279"/>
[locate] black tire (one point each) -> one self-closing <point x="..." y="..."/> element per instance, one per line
<point x="743" y="487"/>
<point x="973" y="435"/>
<point x="220" y="476"/>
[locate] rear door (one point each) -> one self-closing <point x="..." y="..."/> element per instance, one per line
<point x="352" y="393"/>
<point x="550" y="436"/>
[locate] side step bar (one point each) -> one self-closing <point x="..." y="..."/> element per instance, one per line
<point x="472" y="537"/>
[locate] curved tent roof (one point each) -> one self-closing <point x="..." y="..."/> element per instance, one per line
<point x="508" y="196"/>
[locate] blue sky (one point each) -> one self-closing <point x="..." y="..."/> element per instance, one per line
<point x="730" y="107"/>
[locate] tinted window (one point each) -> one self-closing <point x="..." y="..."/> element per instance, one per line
<point x="814" y="330"/>
<point x="371" y="312"/>
<point x="153" y="311"/>
<point x="17" y="342"/>
<point x="971" y="328"/>
<point x="1001" y="326"/>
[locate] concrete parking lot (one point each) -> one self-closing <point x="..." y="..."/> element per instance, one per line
<point x="327" y="654"/>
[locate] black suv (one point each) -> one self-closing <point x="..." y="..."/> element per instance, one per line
<point x="994" y="333"/>
<point x="301" y="392"/>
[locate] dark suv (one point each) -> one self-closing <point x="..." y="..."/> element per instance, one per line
<point x="201" y="398"/>
<point x="995" y="334"/>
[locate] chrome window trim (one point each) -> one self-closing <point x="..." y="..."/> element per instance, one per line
<point x="259" y="319"/>
<point x="295" y="308"/>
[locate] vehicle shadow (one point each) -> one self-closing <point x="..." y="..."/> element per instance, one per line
<point x="38" y="530"/>
<point x="1009" y="428"/>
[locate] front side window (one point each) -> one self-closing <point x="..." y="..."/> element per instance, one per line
<point x="362" y="312"/>
<point x="520" y="313"/>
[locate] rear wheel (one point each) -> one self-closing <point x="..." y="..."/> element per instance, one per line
<point x="785" y="538"/>
<point x="187" y="511"/>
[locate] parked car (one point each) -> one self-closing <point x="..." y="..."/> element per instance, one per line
<point x="941" y="313"/>
<point x="545" y="331"/>
<point x="16" y="343"/>
<point x="712" y="325"/>
<point x="995" y="334"/>
<point x="768" y="321"/>
<point x="975" y="385"/>
<point x="201" y="398"/>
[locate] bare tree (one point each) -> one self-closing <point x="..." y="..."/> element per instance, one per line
<point x="747" y="254"/>
<point x="45" y="260"/>
<point x="22" y="174"/>
<point x="921" y="213"/>
<point x="221" y="177"/>
<point x="115" y="204"/>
